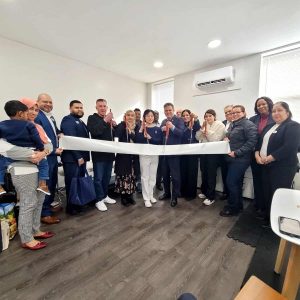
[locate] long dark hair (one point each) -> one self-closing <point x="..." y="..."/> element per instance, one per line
<point x="269" y="102"/>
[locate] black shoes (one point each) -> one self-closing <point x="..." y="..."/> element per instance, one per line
<point x="226" y="212"/>
<point x="131" y="201"/>
<point x="164" y="197"/>
<point x="159" y="187"/>
<point x="173" y="202"/>
<point x="125" y="202"/>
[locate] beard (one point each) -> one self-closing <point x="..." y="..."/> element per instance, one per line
<point x="78" y="115"/>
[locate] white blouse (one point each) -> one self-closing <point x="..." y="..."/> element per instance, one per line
<point x="214" y="133"/>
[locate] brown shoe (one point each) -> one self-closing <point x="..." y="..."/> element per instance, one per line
<point x="50" y="220"/>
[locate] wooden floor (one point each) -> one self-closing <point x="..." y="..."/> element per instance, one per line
<point x="131" y="253"/>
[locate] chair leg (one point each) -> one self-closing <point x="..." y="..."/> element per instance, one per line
<point x="292" y="276"/>
<point x="280" y="256"/>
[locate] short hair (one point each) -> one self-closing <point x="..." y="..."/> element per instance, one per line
<point x="147" y="111"/>
<point x="211" y="112"/>
<point x="286" y="107"/>
<point x="137" y="109"/>
<point x="185" y="110"/>
<point x="267" y="99"/>
<point x="12" y="107"/>
<point x="74" y="102"/>
<point x="230" y="105"/>
<point x="239" y="106"/>
<point x="101" y="100"/>
<point x="169" y="104"/>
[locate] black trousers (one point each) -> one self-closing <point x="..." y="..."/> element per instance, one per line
<point x="257" y="171"/>
<point x="224" y="171"/>
<point x="189" y="175"/>
<point x="273" y="178"/>
<point x="171" y="167"/>
<point x="71" y="170"/>
<point x="209" y="164"/>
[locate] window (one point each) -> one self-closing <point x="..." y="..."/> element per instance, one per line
<point x="280" y="76"/>
<point x="162" y="92"/>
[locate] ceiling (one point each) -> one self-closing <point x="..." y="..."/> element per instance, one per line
<point x="127" y="36"/>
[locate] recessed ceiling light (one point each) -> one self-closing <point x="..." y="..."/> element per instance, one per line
<point x="158" y="64"/>
<point x="214" y="44"/>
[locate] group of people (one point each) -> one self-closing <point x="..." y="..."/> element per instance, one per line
<point x="269" y="142"/>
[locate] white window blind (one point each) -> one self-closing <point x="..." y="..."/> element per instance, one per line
<point x="280" y="79"/>
<point x="161" y="93"/>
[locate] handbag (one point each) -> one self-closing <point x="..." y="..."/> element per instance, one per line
<point x="82" y="190"/>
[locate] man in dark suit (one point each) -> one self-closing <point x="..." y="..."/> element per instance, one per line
<point x="74" y="162"/>
<point x="172" y="128"/>
<point x="47" y="121"/>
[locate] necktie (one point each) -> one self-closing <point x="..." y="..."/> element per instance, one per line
<point x="55" y="126"/>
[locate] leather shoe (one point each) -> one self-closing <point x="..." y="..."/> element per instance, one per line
<point x="164" y="197"/>
<point x="173" y="202"/>
<point x="45" y="235"/>
<point x="124" y="202"/>
<point x="50" y="220"/>
<point x="130" y="200"/>
<point x="228" y="213"/>
<point x="38" y="246"/>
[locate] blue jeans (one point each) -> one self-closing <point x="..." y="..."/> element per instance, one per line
<point x="51" y="182"/>
<point x="42" y="167"/>
<point x="102" y="174"/>
<point x="234" y="180"/>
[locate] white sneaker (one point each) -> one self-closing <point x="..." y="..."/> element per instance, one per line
<point x="148" y="203"/>
<point x="101" y="206"/>
<point x="201" y="196"/>
<point x="208" y="202"/>
<point x="109" y="200"/>
<point x="153" y="200"/>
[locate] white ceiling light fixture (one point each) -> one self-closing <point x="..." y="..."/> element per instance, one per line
<point x="214" y="44"/>
<point x="158" y="64"/>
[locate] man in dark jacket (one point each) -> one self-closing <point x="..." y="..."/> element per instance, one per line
<point x="74" y="162"/>
<point x="242" y="136"/>
<point x="46" y="119"/>
<point x="101" y="126"/>
<point x="172" y="128"/>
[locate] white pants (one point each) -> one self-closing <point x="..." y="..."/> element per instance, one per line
<point x="148" y="164"/>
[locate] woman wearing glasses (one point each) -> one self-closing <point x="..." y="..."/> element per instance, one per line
<point x="242" y="137"/>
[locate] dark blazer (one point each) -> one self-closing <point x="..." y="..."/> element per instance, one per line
<point x="73" y="126"/>
<point x="45" y="123"/>
<point x="155" y="133"/>
<point x="283" y="143"/>
<point x="175" y="135"/>
<point x="100" y="130"/>
<point x="186" y="136"/>
<point x="125" y="162"/>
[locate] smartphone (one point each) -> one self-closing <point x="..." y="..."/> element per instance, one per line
<point x="289" y="226"/>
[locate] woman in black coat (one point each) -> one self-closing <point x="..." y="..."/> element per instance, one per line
<point x="189" y="163"/>
<point x="263" y="117"/>
<point x="276" y="152"/>
<point x="126" y="164"/>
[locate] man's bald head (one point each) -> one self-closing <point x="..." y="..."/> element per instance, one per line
<point x="45" y="102"/>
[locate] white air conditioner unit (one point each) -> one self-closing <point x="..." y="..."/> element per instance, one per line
<point x="214" y="78"/>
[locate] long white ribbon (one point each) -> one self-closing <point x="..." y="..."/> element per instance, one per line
<point x="82" y="144"/>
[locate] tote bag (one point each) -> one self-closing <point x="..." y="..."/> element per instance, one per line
<point x="82" y="190"/>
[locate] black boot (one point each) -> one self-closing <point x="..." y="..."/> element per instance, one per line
<point x="173" y="202"/>
<point x="124" y="201"/>
<point x="130" y="200"/>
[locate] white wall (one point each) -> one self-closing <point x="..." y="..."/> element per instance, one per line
<point x="27" y="71"/>
<point x="247" y="71"/>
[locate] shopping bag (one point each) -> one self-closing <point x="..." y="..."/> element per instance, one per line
<point x="82" y="190"/>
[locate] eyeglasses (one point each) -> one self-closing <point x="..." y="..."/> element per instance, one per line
<point x="228" y="113"/>
<point x="236" y="112"/>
